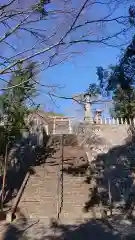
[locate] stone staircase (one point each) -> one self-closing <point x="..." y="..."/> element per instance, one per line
<point x="40" y="199"/>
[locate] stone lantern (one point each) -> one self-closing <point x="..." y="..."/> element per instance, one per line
<point x="87" y="108"/>
<point x="98" y="116"/>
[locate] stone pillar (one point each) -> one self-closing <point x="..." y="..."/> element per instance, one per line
<point x="70" y="126"/>
<point x="54" y="125"/>
<point x="47" y="129"/>
<point x="40" y="136"/>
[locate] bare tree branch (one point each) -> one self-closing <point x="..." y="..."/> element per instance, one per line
<point x="52" y="41"/>
<point x="13" y="30"/>
<point x="7" y="5"/>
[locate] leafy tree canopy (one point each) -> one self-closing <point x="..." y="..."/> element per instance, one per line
<point x="120" y="82"/>
<point x="14" y="101"/>
<point x="93" y="90"/>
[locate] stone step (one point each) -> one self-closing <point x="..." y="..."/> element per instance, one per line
<point x="50" y="209"/>
<point x="38" y="200"/>
<point x="53" y="181"/>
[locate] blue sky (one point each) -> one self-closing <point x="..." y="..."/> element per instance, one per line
<point x="77" y="75"/>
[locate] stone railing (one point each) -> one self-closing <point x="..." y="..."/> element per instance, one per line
<point x="73" y="124"/>
<point x="117" y="121"/>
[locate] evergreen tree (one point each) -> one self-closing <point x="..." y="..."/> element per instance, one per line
<point x="120" y="82"/>
<point x="93" y="90"/>
<point x="14" y="103"/>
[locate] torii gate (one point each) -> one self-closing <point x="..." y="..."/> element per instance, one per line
<point x="66" y="129"/>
